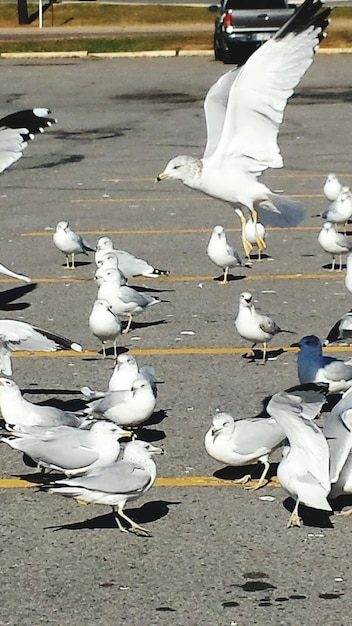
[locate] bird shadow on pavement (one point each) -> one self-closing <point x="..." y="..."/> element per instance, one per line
<point x="339" y="503"/>
<point x="310" y="517"/>
<point x="138" y="325"/>
<point x="143" y="289"/>
<point x="147" y="513"/>
<point x="337" y="271"/>
<point x="77" y="264"/>
<point x="8" y="296"/>
<point x="236" y="473"/>
<point x="73" y="405"/>
<point x="230" y="278"/>
<point x="271" y="355"/>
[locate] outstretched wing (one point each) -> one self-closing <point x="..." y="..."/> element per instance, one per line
<point x="215" y="105"/>
<point x="35" y="120"/>
<point x="19" y="127"/>
<point x="261" y="88"/>
<point x="12" y="144"/>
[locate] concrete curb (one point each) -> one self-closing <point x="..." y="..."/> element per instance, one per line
<point x="141" y="54"/>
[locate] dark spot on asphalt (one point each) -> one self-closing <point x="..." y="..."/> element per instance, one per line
<point x="256" y="585"/>
<point x="321" y="95"/>
<point x="330" y="596"/>
<point x="230" y="604"/>
<point x="160" y="96"/>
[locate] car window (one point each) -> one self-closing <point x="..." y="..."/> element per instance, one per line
<point x="239" y="5"/>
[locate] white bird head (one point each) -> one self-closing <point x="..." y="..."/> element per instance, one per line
<point x="246" y="299"/>
<point x="101" y="305"/>
<point x="182" y="167"/>
<point x="102" y="427"/>
<point x="109" y="260"/>
<point x="63" y="225"/>
<point x="134" y="450"/>
<point x="126" y="359"/>
<point x="221" y="422"/>
<point x="109" y="275"/>
<point x="104" y="243"/>
<point x="6" y="385"/>
<point x="219" y="231"/>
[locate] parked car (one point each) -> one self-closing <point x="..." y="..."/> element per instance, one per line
<point x="242" y="26"/>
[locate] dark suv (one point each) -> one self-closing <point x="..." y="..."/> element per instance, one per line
<point x="244" y="25"/>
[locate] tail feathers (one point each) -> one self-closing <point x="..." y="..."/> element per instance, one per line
<point x="281" y="211"/>
<point x="156" y="272"/>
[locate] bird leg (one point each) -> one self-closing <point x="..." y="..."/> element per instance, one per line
<point x="104" y="351"/>
<point x="340" y="266"/>
<point x="67" y="262"/>
<point x="262" y="480"/>
<point x="135" y="528"/>
<point x="125" y="330"/>
<point x="224" y="281"/>
<point x="294" y="520"/>
<point x="243" y="480"/>
<point x="247" y="246"/>
<point x="263" y="361"/>
<point x="251" y="351"/>
<point x="73" y="261"/>
<point x="116" y="518"/>
<point x="115" y="350"/>
<point x="259" y="240"/>
<point x="333" y="263"/>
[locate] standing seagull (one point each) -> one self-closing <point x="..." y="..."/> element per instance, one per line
<point x="340" y="211"/>
<point x="68" y="242"/>
<point x="244" y="110"/>
<point x="314" y="367"/>
<point x="124" y="300"/>
<point x="332" y="187"/>
<point x="116" y="484"/>
<point x="304" y="469"/>
<point x="105" y="324"/>
<point x="129" y="264"/>
<point x="242" y="442"/>
<point x="334" y="243"/>
<point x="221" y="253"/>
<point x="254" y="326"/>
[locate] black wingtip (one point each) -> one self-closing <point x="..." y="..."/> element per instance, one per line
<point x="35" y="120"/>
<point x="62" y="342"/>
<point x="310" y="13"/>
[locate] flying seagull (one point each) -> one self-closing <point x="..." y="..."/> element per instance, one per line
<point x="244" y="110"/>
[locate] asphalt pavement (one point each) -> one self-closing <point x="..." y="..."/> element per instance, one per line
<point x="219" y="555"/>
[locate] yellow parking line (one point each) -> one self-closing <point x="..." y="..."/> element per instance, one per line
<point x="179" y="351"/>
<point x="168" y="481"/>
<point x="177" y="279"/>
<point x="174" y="198"/>
<point x="272" y="174"/>
<point x="163" y="231"/>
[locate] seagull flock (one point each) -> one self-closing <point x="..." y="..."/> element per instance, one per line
<point x="244" y="110"/>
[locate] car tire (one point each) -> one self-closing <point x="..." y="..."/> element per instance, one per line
<point x="218" y="52"/>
